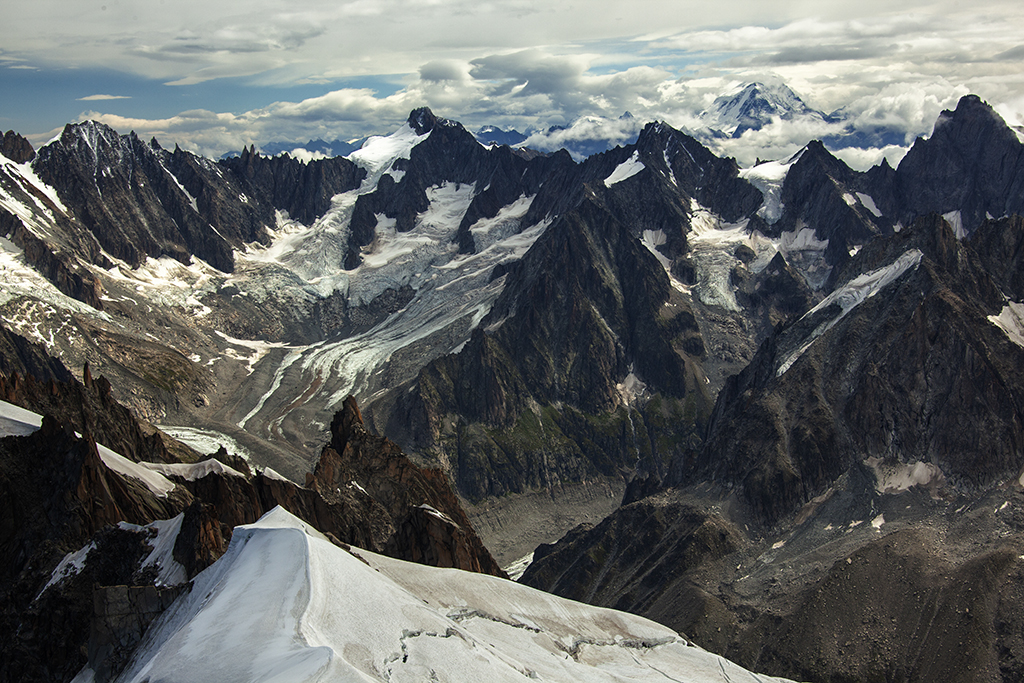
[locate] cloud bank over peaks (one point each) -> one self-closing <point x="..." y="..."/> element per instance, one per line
<point x="510" y="64"/>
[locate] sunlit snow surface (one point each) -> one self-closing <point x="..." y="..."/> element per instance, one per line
<point x="1011" y="321"/>
<point x="285" y="604"/>
<point x="627" y="169"/>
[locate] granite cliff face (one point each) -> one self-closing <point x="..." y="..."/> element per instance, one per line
<point x="823" y="194"/>
<point x="304" y="191"/>
<point x="894" y="404"/>
<point x="973" y="164"/>
<point x="139" y="200"/>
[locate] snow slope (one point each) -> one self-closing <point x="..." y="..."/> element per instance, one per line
<point x="284" y="604"/>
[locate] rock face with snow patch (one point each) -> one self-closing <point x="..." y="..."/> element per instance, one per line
<point x="891" y="406"/>
<point x="824" y="195"/>
<point x="62" y="493"/>
<point x="303" y="190"/>
<point x="138" y="200"/>
<point x="870" y="372"/>
<point x="972" y="167"/>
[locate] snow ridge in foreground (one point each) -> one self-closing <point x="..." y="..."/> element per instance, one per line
<point x="284" y="604"/>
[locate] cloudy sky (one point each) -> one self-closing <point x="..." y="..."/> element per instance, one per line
<point x="214" y="75"/>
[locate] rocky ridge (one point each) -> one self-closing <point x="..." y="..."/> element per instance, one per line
<point x="647" y="275"/>
<point x="870" y="436"/>
<point x="61" y="495"/>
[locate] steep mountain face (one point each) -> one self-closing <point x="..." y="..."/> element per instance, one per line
<point x="554" y="385"/>
<point x="304" y="191"/>
<point x="824" y="195"/>
<point x="895" y="404"/>
<point x="970" y="169"/>
<point x="869" y="372"/>
<point x="139" y="200"/>
<point x="16" y="148"/>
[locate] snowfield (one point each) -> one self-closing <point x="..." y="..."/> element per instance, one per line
<point x="285" y="604"/>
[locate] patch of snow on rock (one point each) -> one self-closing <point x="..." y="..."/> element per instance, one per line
<point x="852" y="294"/>
<point x="164" y="532"/>
<point x="956" y="221"/>
<point x="769" y="178"/>
<point x="1011" y="321"/>
<point x="869" y="204"/>
<point x="71" y="565"/>
<point x="897" y="477"/>
<point x="516" y="570"/>
<point x="379" y="152"/>
<point x="627" y="169"/>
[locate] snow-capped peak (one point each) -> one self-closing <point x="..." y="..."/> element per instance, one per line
<point x="756" y="105"/>
<point x="284" y="603"/>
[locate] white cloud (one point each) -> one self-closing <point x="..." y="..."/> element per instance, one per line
<point x="96" y="98"/>
<point x="531" y="65"/>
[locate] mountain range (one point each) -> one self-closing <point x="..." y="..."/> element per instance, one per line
<point x="750" y="108"/>
<point x="803" y="379"/>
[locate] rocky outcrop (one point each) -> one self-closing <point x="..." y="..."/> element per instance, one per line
<point x="22" y="357"/>
<point x="16" y="148"/>
<point x="304" y="190"/>
<point x="52" y="263"/>
<point x="825" y="195"/>
<point x="973" y="164"/>
<point x="773" y="296"/>
<point x="88" y="407"/>
<point x="626" y="561"/>
<point x="427" y="522"/>
<point x="121" y="615"/>
<point x="1000" y="246"/>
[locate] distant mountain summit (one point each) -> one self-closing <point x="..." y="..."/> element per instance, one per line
<point x="755" y="106"/>
<point x="492" y="135"/>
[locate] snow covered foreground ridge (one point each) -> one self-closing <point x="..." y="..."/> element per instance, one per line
<point x="285" y="604"/>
